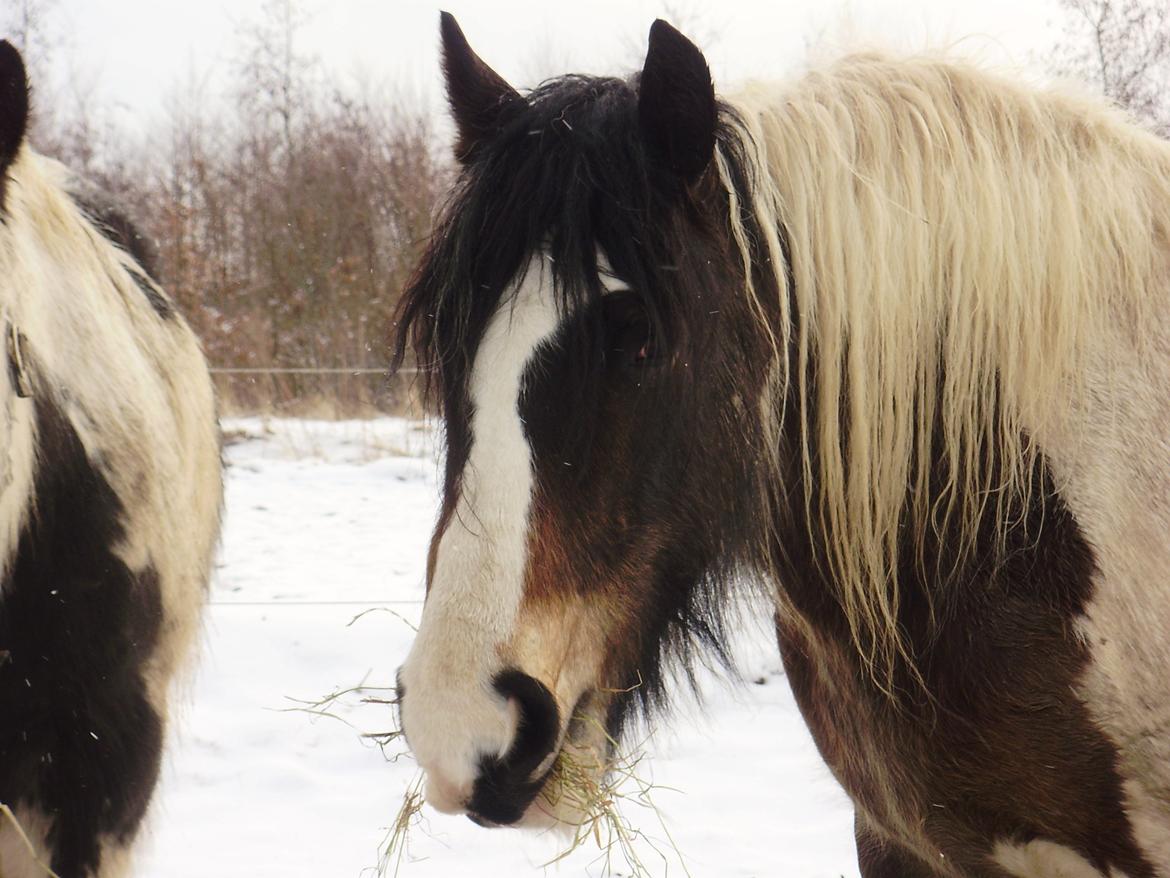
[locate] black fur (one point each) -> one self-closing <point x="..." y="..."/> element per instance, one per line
<point x="676" y="102"/>
<point x="79" y="740"/>
<point x="13" y="109"/>
<point x="505" y="787"/>
<point x="480" y="99"/>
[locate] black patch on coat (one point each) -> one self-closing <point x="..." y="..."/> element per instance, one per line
<point x="120" y="230"/>
<point x="161" y="304"/>
<point x="505" y="786"/>
<point x="79" y="739"/>
<point x="999" y="747"/>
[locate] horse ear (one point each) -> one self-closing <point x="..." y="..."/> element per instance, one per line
<point x="676" y="103"/>
<point x="13" y="103"/>
<point x="480" y="98"/>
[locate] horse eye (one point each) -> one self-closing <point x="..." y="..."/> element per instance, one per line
<point x="628" y="337"/>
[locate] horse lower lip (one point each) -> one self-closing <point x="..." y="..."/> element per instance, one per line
<point x="482" y="821"/>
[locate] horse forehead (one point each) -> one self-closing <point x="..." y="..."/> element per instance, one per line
<point x="524" y="319"/>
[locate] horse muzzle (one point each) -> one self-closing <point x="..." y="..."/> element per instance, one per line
<point x="489" y="761"/>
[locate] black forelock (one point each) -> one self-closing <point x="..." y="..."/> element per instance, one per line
<point x="568" y="174"/>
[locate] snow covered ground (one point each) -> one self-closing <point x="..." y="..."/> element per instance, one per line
<point x="326" y="521"/>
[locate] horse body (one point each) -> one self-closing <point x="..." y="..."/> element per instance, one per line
<point x="1048" y="750"/>
<point x="890" y="341"/>
<point x="108" y="519"/>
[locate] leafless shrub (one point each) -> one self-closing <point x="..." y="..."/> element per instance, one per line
<point x="1121" y="47"/>
<point x="287" y="215"/>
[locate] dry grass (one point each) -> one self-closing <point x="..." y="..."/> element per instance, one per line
<point x="357" y="440"/>
<point x="395" y="848"/>
<point x="326" y="397"/>
<point x="594" y="795"/>
<point x="577" y="785"/>
<point x="603" y="797"/>
<point x="387" y="696"/>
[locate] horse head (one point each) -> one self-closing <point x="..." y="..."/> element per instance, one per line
<point x="577" y="320"/>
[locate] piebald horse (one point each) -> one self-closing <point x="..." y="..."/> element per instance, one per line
<point x="110" y="497"/>
<point x="891" y="340"/>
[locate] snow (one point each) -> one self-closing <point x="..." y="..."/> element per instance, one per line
<point x="328" y="520"/>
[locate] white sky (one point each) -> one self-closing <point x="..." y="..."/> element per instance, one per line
<point x="132" y="53"/>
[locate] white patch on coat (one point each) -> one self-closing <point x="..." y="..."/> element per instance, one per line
<point x="17" y="438"/>
<point x="1110" y="457"/>
<point x="1046" y="859"/>
<point x="451" y="713"/>
<point x="610" y="282"/>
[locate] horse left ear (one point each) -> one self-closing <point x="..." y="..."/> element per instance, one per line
<point x="676" y="103"/>
<point x="481" y="99"/>
<point x="13" y="103"/>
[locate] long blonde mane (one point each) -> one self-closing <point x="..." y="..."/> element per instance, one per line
<point x="954" y="241"/>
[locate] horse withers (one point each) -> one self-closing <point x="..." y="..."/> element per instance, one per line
<point x="109" y="512"/>
<point x="891" y="340"/>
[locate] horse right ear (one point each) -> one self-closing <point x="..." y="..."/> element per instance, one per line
<point x="481" y="100"/>
<point x="13" y="103"/>
<point x="677" y="110"/>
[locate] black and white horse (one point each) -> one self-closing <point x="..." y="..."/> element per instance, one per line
<point x="893" y="340"/>
<point x="110" y="494"/>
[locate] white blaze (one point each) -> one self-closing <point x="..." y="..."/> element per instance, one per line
<point x="451" y="714"/>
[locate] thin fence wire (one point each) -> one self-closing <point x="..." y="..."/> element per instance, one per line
<point x="378" y="603"/>
<point x="317" y="391"/>
<point x="304" y="370"/>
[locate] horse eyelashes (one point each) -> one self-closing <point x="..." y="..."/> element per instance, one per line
<point x="628" y="336"/>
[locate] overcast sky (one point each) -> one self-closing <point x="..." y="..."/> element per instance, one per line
<point x="133" y="52"/>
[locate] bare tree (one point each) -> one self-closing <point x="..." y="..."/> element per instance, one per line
<point x="286" y="215"/>
<point x="1123" y="48"/>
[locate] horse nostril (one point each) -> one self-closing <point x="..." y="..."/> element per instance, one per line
<point x="505" y="786"/>
<point x="539" y="720"/>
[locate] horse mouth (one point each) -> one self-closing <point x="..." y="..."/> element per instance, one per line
<point x="576" y="781"/>
<point x="564" y="791"/>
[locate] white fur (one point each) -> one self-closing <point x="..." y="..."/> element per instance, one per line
<point x="1045" y="859"/>
<point x="1111" y="458"/>
<point x="452" y="715"/>
<point x="610" y="282"/>
<point x="17" y="433"/>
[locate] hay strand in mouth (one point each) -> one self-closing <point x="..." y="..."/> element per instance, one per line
<point x="598" y="791"/>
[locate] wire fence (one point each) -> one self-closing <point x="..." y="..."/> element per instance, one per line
<point x="317" y="391"/>
<point x="307" y="370"/>
<point x="349" y="603"/>
<point x="272" y="404"/>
